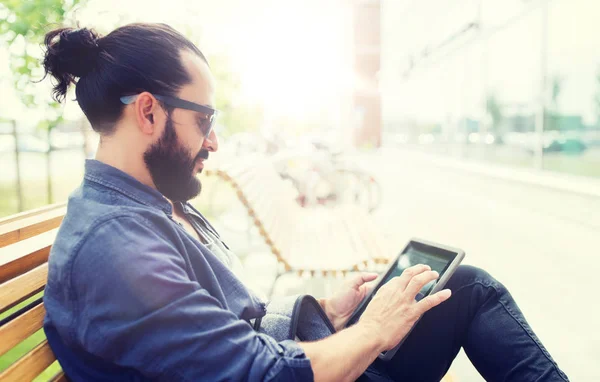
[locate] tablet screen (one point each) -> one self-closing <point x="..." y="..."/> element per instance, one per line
<point x="439" y="259"/>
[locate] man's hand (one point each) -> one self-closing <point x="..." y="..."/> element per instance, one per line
<point x="393" y="310"/>
<point x="342" y="304"/>
<point x="388" y="318"/>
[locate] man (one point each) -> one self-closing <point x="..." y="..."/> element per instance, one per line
<point x="141" y="288"/>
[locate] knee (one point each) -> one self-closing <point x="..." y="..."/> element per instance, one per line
<point x="467" y="274"/>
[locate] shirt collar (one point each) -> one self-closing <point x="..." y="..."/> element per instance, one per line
<point x="190" y="211"/>
<point x="115" y="179"/>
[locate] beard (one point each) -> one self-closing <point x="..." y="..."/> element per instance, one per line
<point x="171" y="166"/>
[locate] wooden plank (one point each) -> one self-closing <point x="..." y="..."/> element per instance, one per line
<point x="22" y="287"/>
<point x="21" y="328"/>
<point x="21" y="257"/>
<point x="27" y="214"/>
<point x="30" y="365"/>
<point x="27" y="227"/>
<point x="59" y="377"/>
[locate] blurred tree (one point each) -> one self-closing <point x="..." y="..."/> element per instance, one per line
<point x="23" y="25"/>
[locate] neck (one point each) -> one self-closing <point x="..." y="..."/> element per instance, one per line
<point x="127" y="158"/>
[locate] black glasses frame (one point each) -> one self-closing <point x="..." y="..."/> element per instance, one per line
<point x="182" y="104"/>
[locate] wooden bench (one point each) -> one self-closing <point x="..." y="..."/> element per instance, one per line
<point x="25" y="242"/>
<point x="316" y="240"/>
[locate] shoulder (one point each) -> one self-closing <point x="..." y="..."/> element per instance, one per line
<point x="98" y="238"/>
<point x="89" y="221"/>
<point x="124" y="235"/>
<point x="125" y="256"/>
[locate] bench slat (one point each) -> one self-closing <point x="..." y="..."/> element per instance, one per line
<point x="18" y="258"/>
<point x="16" y="231"/>
<point x="30" y="365"/>
<point x="21" y="328"/>
<point x="281" y="213"/>
<point x="22" y="287"/>
<point x="30" y="213"/>
<point x="361" y="240"/>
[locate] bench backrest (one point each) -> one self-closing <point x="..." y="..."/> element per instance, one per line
<point x="25" y="242"/>
<point x="271" y="204"/>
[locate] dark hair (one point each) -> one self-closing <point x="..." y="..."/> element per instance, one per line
<point x="131" y="59"/>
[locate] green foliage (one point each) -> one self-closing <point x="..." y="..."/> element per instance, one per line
<point x="23" y="25"/>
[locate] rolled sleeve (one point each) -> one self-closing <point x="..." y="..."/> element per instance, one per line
<point x="292" y="364"/>
<point x="138" y="308"/>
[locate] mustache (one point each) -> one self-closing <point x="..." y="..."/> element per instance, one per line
<point x="203" y="154"/>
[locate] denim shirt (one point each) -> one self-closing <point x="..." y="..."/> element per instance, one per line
<point x="131" y="296"/>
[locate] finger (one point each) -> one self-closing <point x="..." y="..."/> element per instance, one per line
<point x="365" y="277"/>
<point x="362" y="278"/>
<point x="368" y="287"/>
<point x="418" y="282"/>
<point x="409" y="273"/>
<point x="432" y="301"/>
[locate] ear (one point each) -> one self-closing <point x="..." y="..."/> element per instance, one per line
<point x="146" y="107"/>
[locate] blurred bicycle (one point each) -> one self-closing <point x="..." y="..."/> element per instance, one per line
<point x="325" y="177"/>
<point x="321" y="175"/>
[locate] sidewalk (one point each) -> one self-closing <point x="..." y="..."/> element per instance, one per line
<point x="542" y="244"/>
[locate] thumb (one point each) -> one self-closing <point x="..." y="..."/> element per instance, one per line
<point x="364" y="277"/>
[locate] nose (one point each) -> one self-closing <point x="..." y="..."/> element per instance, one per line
<point x="211" y="143"/>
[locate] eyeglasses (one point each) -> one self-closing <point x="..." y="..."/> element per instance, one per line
<point x="206" y="124"/>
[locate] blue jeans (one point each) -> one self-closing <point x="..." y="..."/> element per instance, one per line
<point x="483" y="319"/>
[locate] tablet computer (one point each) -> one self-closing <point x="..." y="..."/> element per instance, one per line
<point x="440" y="258"/>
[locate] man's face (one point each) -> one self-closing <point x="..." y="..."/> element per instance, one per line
<point x="173" y="167"/>
<point x="178" y="156"/>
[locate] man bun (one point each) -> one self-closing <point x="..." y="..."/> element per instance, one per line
<point x="70" y="54"/>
